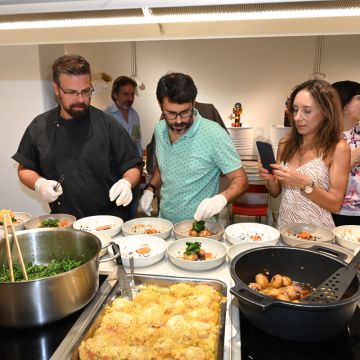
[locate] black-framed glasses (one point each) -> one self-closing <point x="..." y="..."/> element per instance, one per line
<point x="183" y="114"/>
<point x="75" y="93"/>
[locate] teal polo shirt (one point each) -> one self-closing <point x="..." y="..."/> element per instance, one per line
<point x="191" y="166"/>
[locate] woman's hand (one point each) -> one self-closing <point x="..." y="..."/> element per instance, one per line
<point x="289" y="176"/>
<point x="264" y="173"/>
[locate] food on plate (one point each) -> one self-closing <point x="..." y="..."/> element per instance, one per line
<point x="144" y="250"/>
<point x="103" y="227"/>
<point x="145" y="229"/>
<point x="194" y="252"/>
<point x="280" y="287"/>
<point x="199" y="230"/>
<point x="303" y="235"/>
<point x="181" y="321"/>
<point x="349" y="234"/>
<point x="12" y="216"/>
<point x="39" y="271"/>
<point x="52" y="222"/>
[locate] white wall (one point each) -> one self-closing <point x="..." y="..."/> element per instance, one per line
<point x="258" y="72"/>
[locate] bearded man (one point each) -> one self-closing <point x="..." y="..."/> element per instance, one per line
<point x="90" y="149"/>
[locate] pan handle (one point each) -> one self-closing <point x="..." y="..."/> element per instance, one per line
<point x="117" y="253"/>
<point x="253" y="297"/>
<point x="334" y="253"/>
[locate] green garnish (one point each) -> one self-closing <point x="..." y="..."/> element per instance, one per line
<point x="35" y="271"/>
<point x="198" y="225"/>
<point x="192" y="248"/>
<point x="12" y="219"/>
<point x="50" y="222"/>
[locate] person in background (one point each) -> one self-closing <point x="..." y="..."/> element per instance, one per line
<point x="122" y="94"/>
<point x="90" y="148"/>
<point x="191" y="152"/>
<point x="313" y="162"/>
<point x="349" y="92"/>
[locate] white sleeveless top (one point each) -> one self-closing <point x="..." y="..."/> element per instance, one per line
<point x="295" y="207"/>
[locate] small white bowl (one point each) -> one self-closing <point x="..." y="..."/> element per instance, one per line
<point x="319" y="234"/>
<point x="21" y="218"/>
<point x="348" y="236"/>
<point x="252" y="232"/>
<point x="181" y="229"/>
<point x="135" y="243"/>
<point x="35" y="223"/>
<point x="139" y="225"/>
<point x="177" y="248"/>
<point x="105" y="240"/>
<point x="95" y="223"/>
<point x="240" y="248"/>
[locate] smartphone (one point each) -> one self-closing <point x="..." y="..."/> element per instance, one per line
<point x="266" y="155"/>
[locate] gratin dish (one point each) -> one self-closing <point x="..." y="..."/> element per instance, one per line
<point x="148" y="226"/>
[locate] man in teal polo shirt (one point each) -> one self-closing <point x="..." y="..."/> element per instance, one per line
<point x="192" y="152"/>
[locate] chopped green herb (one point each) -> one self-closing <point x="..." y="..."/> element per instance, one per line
<point x="35" y="271"/>
<point x="192" y="248"/>
<point x="50" y="222"/>
<point x="198" y="225"/>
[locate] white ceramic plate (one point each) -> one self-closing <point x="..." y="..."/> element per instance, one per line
<point x="290" y="233"/>
<point x="138" y="226"/>
<point x="217" y="249"/>
<point x="146" y="249"/>
<point x="97" y="222"/>
<point x="252" y="232"/>
<point x="240" y="248"/>
<point x="348" y="236"/>
<point x="181" y="229"/>
<point x="67" y="220"/>
<point x="21" y="219"/>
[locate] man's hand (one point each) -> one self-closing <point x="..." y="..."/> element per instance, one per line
<point x="46" y="189"/>
<point x="121" y="191"/>
<point x="210" y="207"/>
<point x="146" y="201"/>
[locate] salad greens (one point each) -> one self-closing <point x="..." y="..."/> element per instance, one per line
<point x="35" y="271"/>
<point x="50" y="222"/>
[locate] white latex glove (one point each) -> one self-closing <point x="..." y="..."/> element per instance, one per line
<point x="46" y="189"/>
<point x="146" y="201"/>
<point x="121" y="191"/>
<point x="210" y="207"/>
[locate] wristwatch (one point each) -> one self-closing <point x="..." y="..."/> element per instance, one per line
<point x="308" y="188"/>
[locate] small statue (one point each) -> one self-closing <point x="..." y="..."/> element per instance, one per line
<point x="236" y="115"/>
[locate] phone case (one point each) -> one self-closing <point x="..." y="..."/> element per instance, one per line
<point x="266" y="155"/>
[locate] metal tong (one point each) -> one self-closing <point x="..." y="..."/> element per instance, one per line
<point x="60" y="181"/>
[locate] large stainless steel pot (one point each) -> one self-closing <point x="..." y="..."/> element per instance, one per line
<point x="286" y="320"/>
<point x="37" y="302"/>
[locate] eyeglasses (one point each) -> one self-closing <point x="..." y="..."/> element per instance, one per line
<point x="183" y="114"/>
<point x="74" y="93"/>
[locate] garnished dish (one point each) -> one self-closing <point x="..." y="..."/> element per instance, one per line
<point x="280" y="287"/>
<point x="145" y="229"/>
<point x="199" y="230"/>
<point x="194" y="252"/>
<point x="12" y="216"/>
<point x="181" y="321"/>
<point x="52" y="222"/>
<point x="37" y="271"/>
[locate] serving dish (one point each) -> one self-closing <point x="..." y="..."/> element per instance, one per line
<point x="292" y="234"/>
<point x="251" y="232"/>
<point x="181" y="229"/>
<point x="64" y="221"/>
<point x="148" y="226"/>
<point x="176" y="250"/>
<point x="146" y="249"/>
<point x="348" y="236"/>
<point x="105" y="224"/>
<point x="92" y="322"/>
<point x="20" y="219"/>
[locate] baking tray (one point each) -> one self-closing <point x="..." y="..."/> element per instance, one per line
<point x="163" y="281"/>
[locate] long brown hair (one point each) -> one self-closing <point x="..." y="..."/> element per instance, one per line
<point x="329" y="133"/>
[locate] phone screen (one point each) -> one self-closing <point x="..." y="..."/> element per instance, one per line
<point x="266" y="155"/>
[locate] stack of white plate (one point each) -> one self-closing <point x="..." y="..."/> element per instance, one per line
<point x="243" y="139"/>
<point x="276" y="133"/>
<point x="252" y="170"/>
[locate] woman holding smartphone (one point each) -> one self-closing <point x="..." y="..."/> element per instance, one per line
<point x="313" y="162"/>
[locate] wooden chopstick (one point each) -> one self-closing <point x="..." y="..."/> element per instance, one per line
<point x="8" y="251"/>
<point x="23" y="269"/>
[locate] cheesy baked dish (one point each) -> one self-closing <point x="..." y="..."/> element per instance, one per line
<point x="178" y="322"/>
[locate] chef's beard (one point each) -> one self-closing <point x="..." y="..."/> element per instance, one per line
<point x="179" y="127"/>
<point x="78" y="114"/>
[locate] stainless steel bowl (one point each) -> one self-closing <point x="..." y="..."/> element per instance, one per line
<point x="37" y="302"/>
